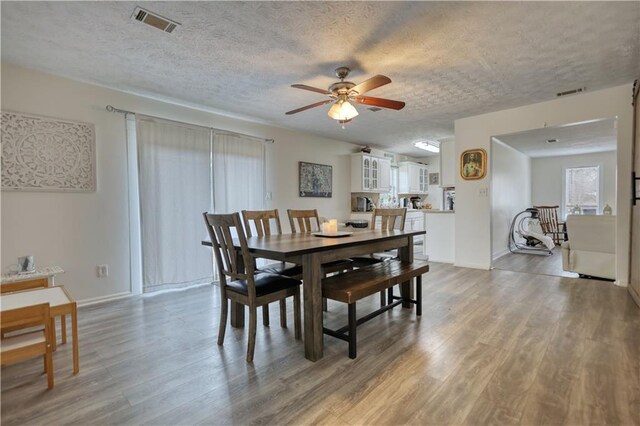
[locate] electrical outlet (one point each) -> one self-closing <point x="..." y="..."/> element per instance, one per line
<point x="268" y="196"/>
<point x="103" y="271"/>
<point x="483" y="192"/>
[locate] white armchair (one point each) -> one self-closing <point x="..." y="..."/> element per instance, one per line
<point x="591" y="249"/>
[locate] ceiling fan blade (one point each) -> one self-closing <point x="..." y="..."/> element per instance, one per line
<point x="304" y="108"/>
<point x="373" y="83"/>
<point x="380" y="102"/>
<point x="312" y="89"/>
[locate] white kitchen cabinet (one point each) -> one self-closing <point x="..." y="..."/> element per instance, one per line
<point x="370" y="173"/>
<point x="439" y="244"/>
<point x="413" y="178"/>
<point x="415" y="222"/>
<point x="447" y="163"/>
<point x="384" y="175"/>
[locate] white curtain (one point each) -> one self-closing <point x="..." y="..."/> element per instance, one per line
<point x="238" y="173"/>
<point x="175" y="189"/>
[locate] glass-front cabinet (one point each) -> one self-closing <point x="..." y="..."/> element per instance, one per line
<point x="370" y="173"/>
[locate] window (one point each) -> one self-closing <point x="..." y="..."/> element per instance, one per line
<point x="390" y="199"/>
<point x="582" y="190"/>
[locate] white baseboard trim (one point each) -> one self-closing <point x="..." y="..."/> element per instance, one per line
<point x="472" y="266"/>
<point x="634" y="295"/>
<point x="501" y="253"/>
<point x="102" y="299"/>
<point x="621" y="283"/>
<point x="435" y="259"/>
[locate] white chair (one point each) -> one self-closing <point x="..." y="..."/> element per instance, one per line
<point x="591" y="249"/>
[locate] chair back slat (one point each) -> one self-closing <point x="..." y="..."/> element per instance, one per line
<point x="389" y="218"/>
<point x="29" y="316"/>
<point x="261" y="221"/>
<point x="548" y="217"/>
<point x="230" y="262"/>
<point x="305" y="220"/>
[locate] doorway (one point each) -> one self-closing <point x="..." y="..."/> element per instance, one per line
<point x="570" y="169"/>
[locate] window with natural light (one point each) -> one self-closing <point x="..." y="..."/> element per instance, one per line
<point x="582" y="190"/>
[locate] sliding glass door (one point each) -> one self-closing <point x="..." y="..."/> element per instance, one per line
<point x="183" y="171"/>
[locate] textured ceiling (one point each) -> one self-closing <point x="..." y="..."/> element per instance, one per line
<point x="581" y="138"/>
<point x="447" y="60"/>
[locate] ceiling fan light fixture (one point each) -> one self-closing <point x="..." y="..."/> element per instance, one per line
<point x="342" y="111"/>
<point x="428" y="146"/>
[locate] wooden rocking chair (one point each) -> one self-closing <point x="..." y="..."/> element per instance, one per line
<point x="548" y="216"/>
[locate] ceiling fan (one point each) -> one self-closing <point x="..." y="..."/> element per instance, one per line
<point x="341" y="92"/>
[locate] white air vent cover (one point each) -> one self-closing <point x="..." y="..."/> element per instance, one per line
<point x="154" y="20"/>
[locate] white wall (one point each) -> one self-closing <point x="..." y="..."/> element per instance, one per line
<point x="547" y="178"/>
<point x="80" y="231"/>
<point x="510" y="192"/>
<point x="473" y="210"/>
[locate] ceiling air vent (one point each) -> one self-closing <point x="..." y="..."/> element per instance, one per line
<point x="154" y="20"/>
<point x="374" y="109"/>
<point x="552" y="140"/>
<point x="572" y="92"/>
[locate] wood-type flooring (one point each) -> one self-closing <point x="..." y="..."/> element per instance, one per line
<point x="492" y="347"/>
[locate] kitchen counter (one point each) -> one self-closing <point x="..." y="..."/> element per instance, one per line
<point x="438" y="211"/>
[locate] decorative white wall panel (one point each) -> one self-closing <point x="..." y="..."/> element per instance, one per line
<point x="47" y="154"/>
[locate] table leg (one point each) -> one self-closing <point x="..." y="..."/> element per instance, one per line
<point x="406" y="255"/>
<point x="54" y="338"/>
<point x="63" y="328"/>
<point x="312" y="285"/>
<point x="237" y="315"/>
<point x="74" y="333"/>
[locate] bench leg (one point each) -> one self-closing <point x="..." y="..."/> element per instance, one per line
<point x="419" y="295"/>
<point x="265" y="315"/>
<point x="383" y="299"/>
<point x="352" y="330"/>
<point x="325" y="305"/>
<point x="390" y="294"/>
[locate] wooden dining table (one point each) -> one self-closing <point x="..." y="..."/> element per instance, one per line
<point x="312" y="252"/>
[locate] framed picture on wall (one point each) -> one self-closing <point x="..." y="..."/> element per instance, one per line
<point x="315" y="180"/>
<point x="473" y="164"/>
<point x="434" y="178"/>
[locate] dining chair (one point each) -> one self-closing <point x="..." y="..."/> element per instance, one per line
<point x="28" y="345"/>
<point x="308" y="221"/>
<point x="240" y="282"/>
<point x="265" y="222"/>
<point x="548" y="217"/>
<point x="389" y="219"/>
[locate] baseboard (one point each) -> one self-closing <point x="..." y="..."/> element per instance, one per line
<point x="437" y="260"/>
<point x="472" y="266"/>
<point x="102" y="299"/>
<point x="634" y="295"/>
<point x="621" y="283"/>
<point x="499" y="254"/>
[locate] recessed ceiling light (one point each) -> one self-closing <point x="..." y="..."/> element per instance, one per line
<point x="430" y="146"/>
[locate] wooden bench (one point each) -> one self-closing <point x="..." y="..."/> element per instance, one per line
<point x="349" y="287"/>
